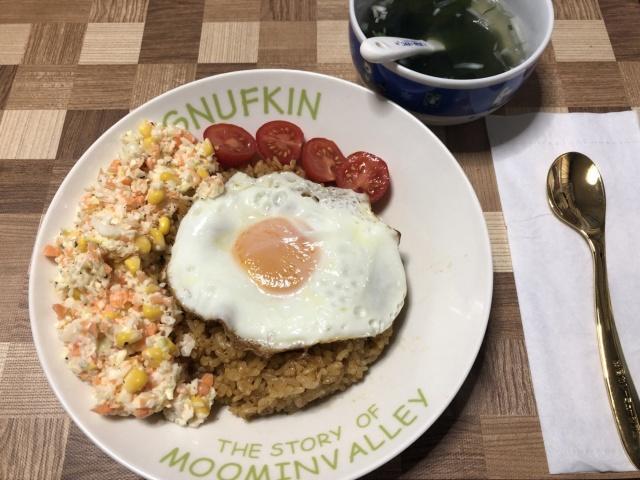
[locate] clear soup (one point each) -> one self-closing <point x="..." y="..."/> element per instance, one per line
<point x="479" y="36"/>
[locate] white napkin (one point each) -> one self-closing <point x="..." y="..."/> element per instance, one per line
<point x="553" y="273"/>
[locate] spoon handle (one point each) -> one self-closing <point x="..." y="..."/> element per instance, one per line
<point x="388" y="49"/>
<point x="623" y="396"/>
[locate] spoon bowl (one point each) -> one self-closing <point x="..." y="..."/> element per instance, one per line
<point x="576" y="193"/>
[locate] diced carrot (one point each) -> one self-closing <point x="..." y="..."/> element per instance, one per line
<point x="157" y="299"/>
<point x="52" y="251"/>
<point x="60" y="310"/>
<point x="135" y="201"/>
<point x="113" y="167"/>
<point x="74" y="350"/>
<point x="126" y="181"/>
<point x="118" y="298"/>
<point x="179" y="158"/>
<point x="196" y="178"/>
<point x="142" y="412"/>
<point x="103" y="409"/>
<point x="205" y="384"/>
<point x="184" y="135"/>
<point x="150" y="329"/>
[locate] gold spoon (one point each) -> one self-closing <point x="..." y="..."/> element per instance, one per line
<point x="576" y="195"/>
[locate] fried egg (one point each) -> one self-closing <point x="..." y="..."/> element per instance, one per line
<point x="286" y="263"/>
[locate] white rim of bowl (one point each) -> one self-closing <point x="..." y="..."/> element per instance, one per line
<point x="40" y="241"/>
<point x="456" y="84"/>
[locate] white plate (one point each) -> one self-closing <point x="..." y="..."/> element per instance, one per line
<point x="445" y="248"/>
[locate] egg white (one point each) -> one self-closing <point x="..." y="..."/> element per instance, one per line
<point x="356" y="290"/>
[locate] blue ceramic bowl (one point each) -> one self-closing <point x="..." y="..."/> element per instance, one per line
<point x="444" y="101"/>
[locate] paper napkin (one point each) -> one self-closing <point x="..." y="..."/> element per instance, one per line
<point x="553" y="273"/>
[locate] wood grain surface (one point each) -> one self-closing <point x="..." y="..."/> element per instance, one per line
<point x="69" y="69"/>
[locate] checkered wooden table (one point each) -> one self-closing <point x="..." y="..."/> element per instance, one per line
<point x="70" y="68"/>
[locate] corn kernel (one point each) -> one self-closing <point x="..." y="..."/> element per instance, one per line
<point x="154" y="197"/>
<point x="199" y="405"/>
<point x="145" y="129"/>
<point x="82" y="244"/>
<point x="143" y="244"/>
<point x="135" y="380"/>
<point x="76" y="294"/>
<point x="207" y="148"/>
<point x="202" y="172"/>
<point x="132" y="264"/>
<point x="167" y="345"/>
<point x="151" y="288"/>
<point x="202" y="411"/>
<point x="158" y="238"/>
<point x="127" y="337"/>
<point x="152" y="312"/>
<point x="148" y="143"/>
<point x="168" y="176"/>
<point x="154" y="356"/>
<point x="111" y="314"/>
<point x="164" y="225"/>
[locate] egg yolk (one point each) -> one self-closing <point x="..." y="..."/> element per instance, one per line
<point x="276" y="255"/>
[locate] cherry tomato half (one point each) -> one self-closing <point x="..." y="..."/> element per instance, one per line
<point x="233" y="145"/>
<point x="364" y="173"/>
<point x="281" y="140"/>
<point x="319" y="159"/>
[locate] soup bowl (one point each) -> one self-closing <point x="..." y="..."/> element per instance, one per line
<point x="446" y="101"/>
